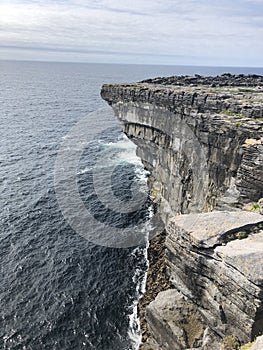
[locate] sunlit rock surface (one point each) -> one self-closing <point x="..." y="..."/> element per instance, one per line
<point x="201" y="138"/>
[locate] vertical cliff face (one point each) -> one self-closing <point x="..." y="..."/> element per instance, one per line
<point x="202" y="141"/>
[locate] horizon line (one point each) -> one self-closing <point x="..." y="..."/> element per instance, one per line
<point x="128" y="64"/>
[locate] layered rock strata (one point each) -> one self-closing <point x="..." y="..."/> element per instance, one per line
<point x="201" y="139"/>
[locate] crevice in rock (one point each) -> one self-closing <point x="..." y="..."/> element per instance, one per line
<point x="198" y="271"/>
<point x="157" y="279"/>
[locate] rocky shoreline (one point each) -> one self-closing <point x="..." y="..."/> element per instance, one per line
<point x="201" y="139"/>
<point x="157" y="281"/>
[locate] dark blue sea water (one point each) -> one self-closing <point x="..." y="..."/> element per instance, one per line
<point x="58" y="290"/>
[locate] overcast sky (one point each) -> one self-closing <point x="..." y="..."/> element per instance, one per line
<point x="188" y="32"/>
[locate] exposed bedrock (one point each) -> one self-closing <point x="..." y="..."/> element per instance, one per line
<point x="202" y="141"/>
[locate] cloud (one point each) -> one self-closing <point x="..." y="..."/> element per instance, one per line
<point x="167" y="31"/>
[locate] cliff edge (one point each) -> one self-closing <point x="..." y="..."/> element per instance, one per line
<point x="201" y="139"/>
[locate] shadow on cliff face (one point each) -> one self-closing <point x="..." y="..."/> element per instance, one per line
<point x="258" y="325"/>
<point x="173" y="152"/>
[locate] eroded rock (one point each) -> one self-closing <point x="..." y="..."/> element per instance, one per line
<point x="201" y="140"/>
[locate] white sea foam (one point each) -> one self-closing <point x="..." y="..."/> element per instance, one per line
<point x="120" y="151"/>
<point x="126" y="150"/>
<point x="84" y="170"/>
<point x="134" y="322"/>
<point x="134" y="326"/>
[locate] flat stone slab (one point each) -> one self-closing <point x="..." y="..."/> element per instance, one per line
<point x="206" y="230"/>
<point x="258" y="345"/>
<point x="245" y="255"/>
<point x="175" y="320"/>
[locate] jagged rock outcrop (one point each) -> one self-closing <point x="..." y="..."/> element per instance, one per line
<point x="249" y="176"/>
<point x="227" y="79"/>
<point x="201" y="138"/>
<point x="218" y="272"/>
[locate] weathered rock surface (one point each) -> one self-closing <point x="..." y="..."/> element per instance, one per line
<point x="201" y="138"/>
<point x="208" y="230"/>
<point x="175" y="322"/>
<point x="249" y="177"/>
<point x="220" y="80"/>
<point x="225" y="281"/>
<point x="157" y="279"/>
<point x="193" y="141"/>
<point x="258" y="345"/>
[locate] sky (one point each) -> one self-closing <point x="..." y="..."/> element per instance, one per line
<point x="171" y="32"/>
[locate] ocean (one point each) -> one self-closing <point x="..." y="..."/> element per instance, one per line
<point x="63" y="289"/>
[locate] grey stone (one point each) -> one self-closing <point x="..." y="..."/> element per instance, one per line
<point x="224" y="281"/>
<point x="258" y="345"/>
<point x="246" y="256"/>
<point x="201" y="139"/>
<point x="207" y="230"/>
<point x="175" y="322"/>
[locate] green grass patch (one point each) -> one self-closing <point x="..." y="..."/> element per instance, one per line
<point x="255" y="207"/>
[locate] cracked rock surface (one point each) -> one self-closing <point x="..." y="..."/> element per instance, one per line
<point x="201" y="139"/>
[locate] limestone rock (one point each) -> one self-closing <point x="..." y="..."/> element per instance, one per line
<point x="220" y="80"/>
<point x="207" y="230"/>
<point x="258" y="345"/>
<point x="175" y="322"/>
<point x="251" y="166"/>
<point x="225" y="281"/>
<point x="201" y="140"/>
<point x="192" y="139"/>
<point x="246" y="256"/>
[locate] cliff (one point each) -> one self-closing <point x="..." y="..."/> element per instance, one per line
<point x="201" y="139"/>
